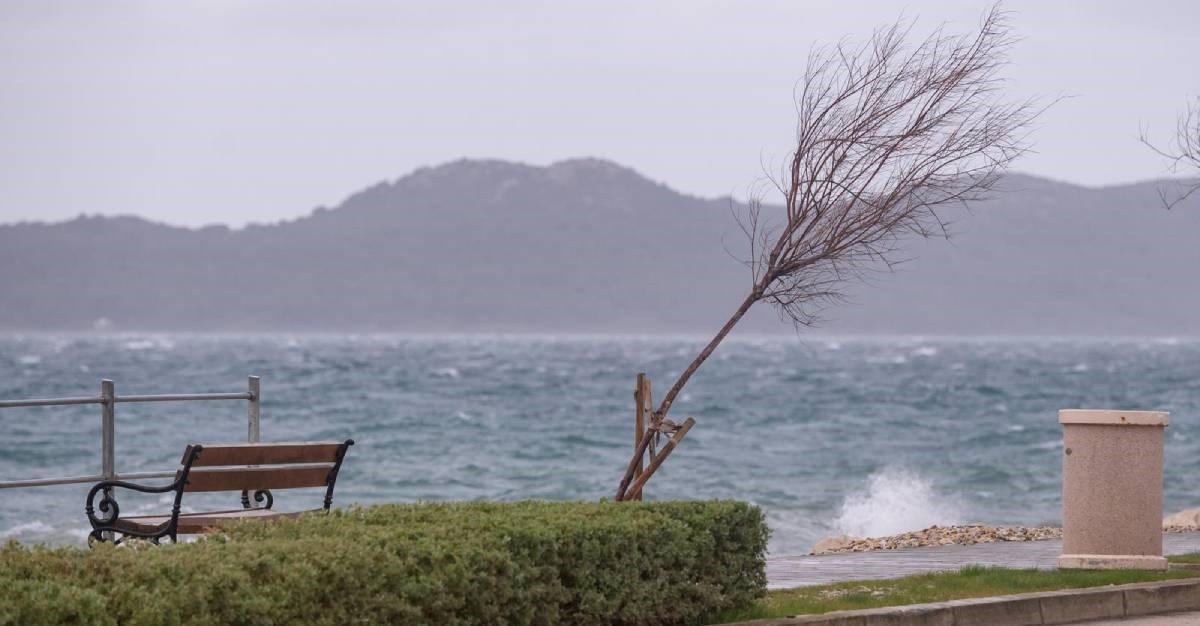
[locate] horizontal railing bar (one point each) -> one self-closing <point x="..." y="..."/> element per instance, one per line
<point x="50" y="402"/>
<point x="58" y="480"/>
<point x="183" y="397"/>
<point x="168" y="397"/>
<point x="140" y="475"/>
<point x="71" y="480"/>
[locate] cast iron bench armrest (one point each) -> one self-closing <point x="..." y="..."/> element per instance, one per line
<point x="112" y="511"/>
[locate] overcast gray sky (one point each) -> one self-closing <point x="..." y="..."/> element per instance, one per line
<point x="238" y="111"/>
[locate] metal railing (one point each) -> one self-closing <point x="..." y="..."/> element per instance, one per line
<point x="108" y="400"/>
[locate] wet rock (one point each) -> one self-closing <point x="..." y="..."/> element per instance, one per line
<point x="830" y="545"/>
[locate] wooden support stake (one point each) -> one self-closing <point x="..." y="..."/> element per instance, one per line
<point x="644" y="401"/>
<point x="635" y="490"/>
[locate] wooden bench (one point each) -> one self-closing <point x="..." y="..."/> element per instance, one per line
<point x="251" y="468"/>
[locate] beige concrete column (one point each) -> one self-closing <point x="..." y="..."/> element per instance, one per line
<point x="1112" y="489"/>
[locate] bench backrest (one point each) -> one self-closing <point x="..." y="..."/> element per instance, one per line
<point x="254" y="466"/>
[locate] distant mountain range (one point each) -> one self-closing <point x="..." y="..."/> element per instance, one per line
<point x="589" y="246"/>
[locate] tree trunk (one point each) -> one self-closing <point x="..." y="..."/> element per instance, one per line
<point x="668" y="399"/>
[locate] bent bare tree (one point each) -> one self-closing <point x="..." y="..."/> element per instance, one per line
<point x="1184" y="156"/>
<point x="888" y="135"/>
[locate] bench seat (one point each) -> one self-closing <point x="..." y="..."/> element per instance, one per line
<point x="195" y="523"/>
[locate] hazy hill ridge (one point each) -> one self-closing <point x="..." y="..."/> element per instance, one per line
<point x="587" y="245"/>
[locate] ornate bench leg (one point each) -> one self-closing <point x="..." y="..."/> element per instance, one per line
<point x="260" y="495"/>
<point x="102" y="527"/>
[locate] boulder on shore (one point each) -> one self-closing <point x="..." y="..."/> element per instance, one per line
<point x="837" y="543"/>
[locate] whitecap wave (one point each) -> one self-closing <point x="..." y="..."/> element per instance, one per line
<point x="892" y="359"/>
<point x="36" y="527"/>
<point x="895" y="501"/>
<point x="158" y="343"/>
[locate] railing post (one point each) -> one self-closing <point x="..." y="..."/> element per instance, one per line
<point x="108" y="437"/>
<point x="253" y="411"/>
<point x="108" y="428"/>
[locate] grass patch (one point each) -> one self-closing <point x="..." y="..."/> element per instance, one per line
<point x="1191" y="557"/>
<point x="970" y="582"/>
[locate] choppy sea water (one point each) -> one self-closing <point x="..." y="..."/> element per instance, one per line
<point x="865" y="436"/>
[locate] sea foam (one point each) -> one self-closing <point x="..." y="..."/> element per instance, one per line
<point x="895" y="501"/>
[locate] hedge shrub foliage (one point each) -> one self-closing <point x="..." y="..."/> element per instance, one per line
<point x="470" y="563"/>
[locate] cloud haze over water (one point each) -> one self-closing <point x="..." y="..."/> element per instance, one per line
<point x="231" y="112"/>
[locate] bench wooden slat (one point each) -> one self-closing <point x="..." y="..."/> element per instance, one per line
<point x="190" y="523"/>
<point x="251" y="478"/>
<point x="267" y="453"/>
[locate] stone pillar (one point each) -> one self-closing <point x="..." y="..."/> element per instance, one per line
<point x="1112" y="489"/>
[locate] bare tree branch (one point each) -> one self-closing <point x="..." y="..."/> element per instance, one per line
<point x="1184" y="156"/>
<point x="888" y="135"/>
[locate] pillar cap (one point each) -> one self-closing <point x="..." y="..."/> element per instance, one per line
<point x="1114" y="418"/>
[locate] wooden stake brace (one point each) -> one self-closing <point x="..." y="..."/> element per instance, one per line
<point x="635" y="490"/>
<point x="648" y="428"/>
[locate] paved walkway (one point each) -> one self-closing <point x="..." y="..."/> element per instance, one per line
<point x="799" y="571"/>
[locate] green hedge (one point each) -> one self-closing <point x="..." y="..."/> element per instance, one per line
<point x="476" y="563"/>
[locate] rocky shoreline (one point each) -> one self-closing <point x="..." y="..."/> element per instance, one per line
<point x="937" y="536"/>
<point x="970" y="534"/>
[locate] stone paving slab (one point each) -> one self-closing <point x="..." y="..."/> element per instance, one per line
<point x="799" y="571"/>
